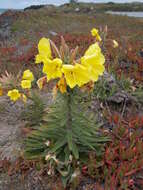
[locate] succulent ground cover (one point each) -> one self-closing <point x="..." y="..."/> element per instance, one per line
<point x="116" y="100"/>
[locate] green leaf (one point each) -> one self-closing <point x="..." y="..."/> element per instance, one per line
<point x="58" y="144"/>
<point x="70" y="139"/>
<point x="75" y="151"/>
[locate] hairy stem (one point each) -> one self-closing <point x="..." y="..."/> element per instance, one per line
<point x="69" y="116"/>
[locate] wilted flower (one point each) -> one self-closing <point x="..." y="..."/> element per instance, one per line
<point x="70" y="157"/>
<point x="14" y="94"/>
<point x="62" y="85"/>
<point x="41" y="82"/>
<point x="47" y="143"/>
<point x="1" y="90"/>
<point x="115" y="44"/>
<point x="50" y="156"/>
<point x="49" y="172"/>
<point x="24" y="98"/>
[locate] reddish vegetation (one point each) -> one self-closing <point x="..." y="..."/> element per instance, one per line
<point x="122" y="164"/>
<point x="130" y="61"/>
<point x="124" y="156"/>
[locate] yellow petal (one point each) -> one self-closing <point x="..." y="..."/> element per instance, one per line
<point x="94" y="61"/>
<point x="68" y="71"/>
<point x="40" y="58"/>
<point x="53" y="68"/>
<point x="81" y="75"/>
<point x="93" y="49"/>
<point x="44" y="48"/>
<point x="76" y="75"/>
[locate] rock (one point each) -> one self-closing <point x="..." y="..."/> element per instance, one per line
<point x="11" y="125"/>
<point x="109" y="78"/>
<point x="77" y="9"/>
<point x="10" y="129"/>
<point x="5" y="33"/>
<point x="91" y="8"/>
<point x="33" y="7"/>
<point x="53" y="33"/>
<point x="119" y="97"/>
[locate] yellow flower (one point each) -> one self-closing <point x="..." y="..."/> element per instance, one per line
<point x="62" y="85"/>
<point x="14" y="94"/>
<point x="75" y="75"/>
<point x="26" y="84"/>
<point x="53" y="68"/>
<point x="94" y="61"/>
<point x="115" y="44"/>
<point x="94" y="33"/>
<point x="28" y="75"/>
<point x="44" y="50"/>
<point x="93" y="49"/>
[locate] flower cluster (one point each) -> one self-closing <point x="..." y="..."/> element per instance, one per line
<point x="64" y="65"/>
<point x="27" y="79"/>
<point x="71" y="72"/>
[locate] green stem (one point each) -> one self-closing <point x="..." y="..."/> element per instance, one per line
<point x="69" y="116"/>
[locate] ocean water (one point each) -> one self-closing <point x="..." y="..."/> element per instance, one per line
<point x="2" y="10"/>
<point x="130" y="14"/>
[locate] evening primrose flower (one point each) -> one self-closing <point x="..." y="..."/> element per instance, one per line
<point x="94" y="33"/>
<point x="44" y="50"/>
<point x="75" y="75"/>
<point x="53" y="68"/>
<point x="14" y="94"/>
<point x="26" y="84"/>
<point x="94" y="60"/>
<point x="28" y="75"/>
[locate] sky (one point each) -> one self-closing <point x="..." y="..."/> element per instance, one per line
<point x="20" y="4"/>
